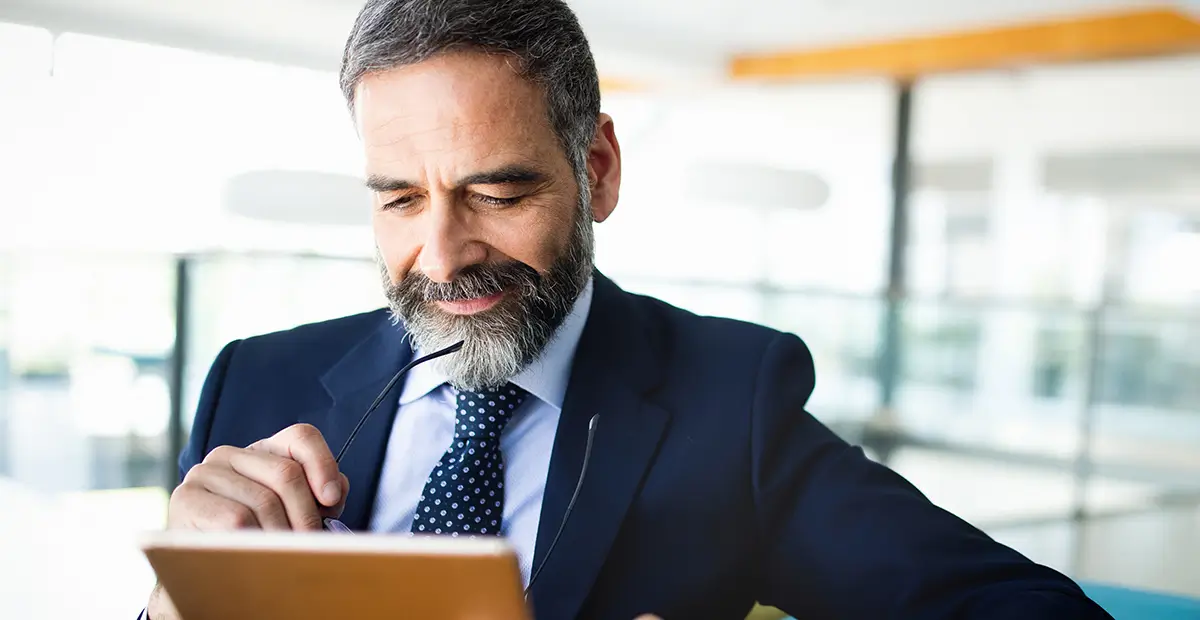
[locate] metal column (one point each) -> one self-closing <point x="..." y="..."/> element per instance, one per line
<point x="175" y="377"/>
<point x="890" y="350"/>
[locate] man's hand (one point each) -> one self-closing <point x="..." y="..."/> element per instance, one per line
<point x="288" y="481"/>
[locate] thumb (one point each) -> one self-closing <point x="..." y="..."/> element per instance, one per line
<point x="335" y="511"/>
<point x="647" y="617"/>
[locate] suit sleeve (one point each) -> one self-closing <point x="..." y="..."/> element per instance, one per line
<point x="210" y="395"/>
<point x="842" y="536"/>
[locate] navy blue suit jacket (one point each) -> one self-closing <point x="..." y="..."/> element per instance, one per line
<point x="710" y="486"/>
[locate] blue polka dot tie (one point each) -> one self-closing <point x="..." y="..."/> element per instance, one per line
<point x="465" y="492"/>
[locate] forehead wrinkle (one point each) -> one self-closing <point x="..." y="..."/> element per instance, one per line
<point x="458" y="131"/>
<point x="522" y="150"/>
<point x="476" y="129"/>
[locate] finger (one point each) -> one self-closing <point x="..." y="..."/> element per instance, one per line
<point x="234" y="485"/>
<point x="335" y="511"/>
<point x="285" y="479"/>
<point x="220" y="455"/>
<point x="304" y="444"/>
<point x="160" y="606"/>
<point x="194" y="507"/>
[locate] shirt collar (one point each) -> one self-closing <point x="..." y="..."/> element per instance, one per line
<point x="546" y="377"/>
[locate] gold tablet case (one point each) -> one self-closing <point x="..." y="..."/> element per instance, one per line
<point x="277" y="576"/>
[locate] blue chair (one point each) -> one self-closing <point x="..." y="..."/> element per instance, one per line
<point x="1130" y="604"/>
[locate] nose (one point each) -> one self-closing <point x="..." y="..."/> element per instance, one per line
<point x="449" y="243"/>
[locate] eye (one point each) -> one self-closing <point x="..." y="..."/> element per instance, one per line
<point x="496" y="201"/>
<point x="399" y="204"/>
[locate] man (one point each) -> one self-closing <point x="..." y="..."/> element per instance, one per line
<point x="709" y="486"/>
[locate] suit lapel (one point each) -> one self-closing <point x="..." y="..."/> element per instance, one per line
<point x="353" y="383"/>
<point x="614" y="366"/>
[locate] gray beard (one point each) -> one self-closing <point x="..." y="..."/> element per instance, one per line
<point x="501" y="341"/>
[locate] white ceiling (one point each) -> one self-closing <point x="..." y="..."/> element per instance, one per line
<point x="638" y="39"/>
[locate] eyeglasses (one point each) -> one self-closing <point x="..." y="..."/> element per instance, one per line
<point x="331" y="524"/>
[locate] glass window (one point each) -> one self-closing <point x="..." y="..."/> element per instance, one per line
<point x="1053" y="217"/>
<point x="693" y="205"/>
<point x="5" y="372"/>
<point x="87" y="343"/>
<point x="133" y="132"/>
<point x="1147" y="397"/>
<point x="241" y="295"/>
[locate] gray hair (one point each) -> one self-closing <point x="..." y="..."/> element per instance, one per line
<point x="543" y="36"/>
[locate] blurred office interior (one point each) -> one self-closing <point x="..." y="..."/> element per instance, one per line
<point x="997" y="268"/>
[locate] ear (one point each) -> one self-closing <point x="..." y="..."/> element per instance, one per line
<point x="604" y="169"/>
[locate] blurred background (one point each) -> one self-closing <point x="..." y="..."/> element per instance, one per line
<point x="982" y="217"/>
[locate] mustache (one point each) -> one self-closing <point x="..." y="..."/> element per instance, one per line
<point x="480" y="280"/>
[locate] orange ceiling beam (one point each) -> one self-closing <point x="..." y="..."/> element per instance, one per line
<point x="1097" y="37"/>
<point x="610" y="84"/>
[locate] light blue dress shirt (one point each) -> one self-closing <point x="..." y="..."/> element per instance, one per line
<point x="424" y="428"/>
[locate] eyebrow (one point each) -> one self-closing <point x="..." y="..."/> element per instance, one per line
<point x="382" y="184"/>
<point x="507" y="175"/>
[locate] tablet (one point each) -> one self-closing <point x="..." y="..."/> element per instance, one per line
<point x="278" y="575"/>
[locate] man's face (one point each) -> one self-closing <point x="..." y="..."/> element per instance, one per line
<point x="478" y="218"/>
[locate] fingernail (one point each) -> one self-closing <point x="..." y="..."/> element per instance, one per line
<point x="332" y="492"/>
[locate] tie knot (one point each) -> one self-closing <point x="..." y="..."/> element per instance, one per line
<point x="483" y="414"/>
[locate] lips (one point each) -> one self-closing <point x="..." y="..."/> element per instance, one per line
<point x="471" y="306"/>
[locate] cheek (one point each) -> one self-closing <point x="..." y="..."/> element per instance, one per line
<point x="537" y="240"/>
<point x="398" y="246"/>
